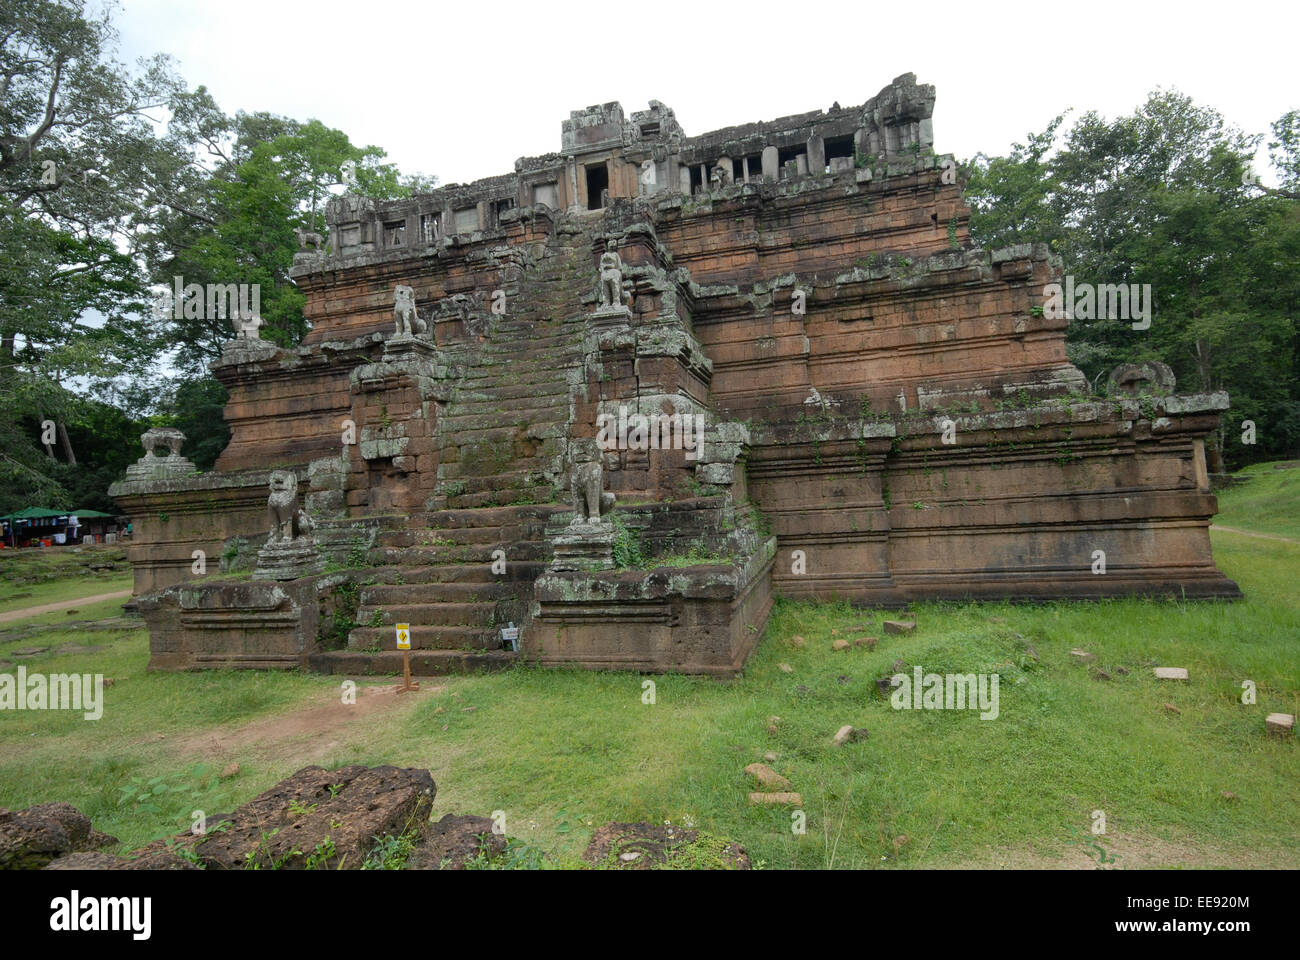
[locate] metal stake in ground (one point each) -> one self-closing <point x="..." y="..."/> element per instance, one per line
<point x="404" y="644"/>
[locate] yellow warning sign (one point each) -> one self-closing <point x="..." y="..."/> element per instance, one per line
<point x="403" y="636"/>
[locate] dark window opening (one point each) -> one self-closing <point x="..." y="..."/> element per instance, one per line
<point x="738" y="170"/>
<point x="650" y="129"/>
<point x="395" y="233"/>
<point x="597" y="183"/>
<point x="501" y="206"/>
<point x="786" y="154"/>
<point x="839" y="147"/>
<point x="697" y="178"/>
<point x="430" y="227"/>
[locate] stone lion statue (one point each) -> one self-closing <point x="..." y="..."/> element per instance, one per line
<point x="286" y="520"/>
<point x="586" y="484"/>
<point x="404" y="313"/>
<point x="306" y="237"/>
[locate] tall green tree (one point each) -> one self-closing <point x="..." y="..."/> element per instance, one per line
<point x="1164" y="197"/>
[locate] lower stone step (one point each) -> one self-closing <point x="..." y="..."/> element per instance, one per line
<point x="426" y="638"/>
<point x="424" y="663"/>
<point x="437" y="613"/>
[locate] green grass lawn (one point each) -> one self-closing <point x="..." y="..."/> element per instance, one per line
<point x="561" y="752"/>
<point x="1268" y="502"/>
<point x="34" y="576"/>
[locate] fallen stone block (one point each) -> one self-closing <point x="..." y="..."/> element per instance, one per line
<point x="840" y="644"/>
<point x="899" y="626"/>
<point x="1171" y="673"/>
<point x="850" y="734"/>
<point x="1082" y="656"/>
<point x="98" y="860"/>
<point x="767" y="778"/>
<point x="779" y="799"/>
<point x="31" y="838"/>
<point x="319" y="817"/>
<point x="868" y="642"/>
<point x="1279" y="724"/>
<point x="453" y="841"/>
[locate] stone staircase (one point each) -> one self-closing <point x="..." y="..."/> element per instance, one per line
<point x="502" y="445"/>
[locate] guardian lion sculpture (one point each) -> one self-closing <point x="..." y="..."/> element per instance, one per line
<point x="286" y="520"/>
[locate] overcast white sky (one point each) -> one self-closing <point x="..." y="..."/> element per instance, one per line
<point x="460" y="90"/>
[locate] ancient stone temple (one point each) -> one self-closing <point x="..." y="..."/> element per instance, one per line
<point x="627" y="394"/>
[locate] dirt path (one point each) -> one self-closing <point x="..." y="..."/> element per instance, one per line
<point x="1251" y="533"/>
<point x="308" y="733"/>
<point x="24" y="612"/>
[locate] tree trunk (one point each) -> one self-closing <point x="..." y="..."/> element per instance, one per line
<point x="67" y="444"/>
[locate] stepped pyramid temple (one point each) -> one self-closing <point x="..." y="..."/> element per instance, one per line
<point x="626" y="395"/>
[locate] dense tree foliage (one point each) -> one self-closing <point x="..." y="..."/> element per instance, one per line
<point x="1166" y="197"/>
<point x="114" y="181"/>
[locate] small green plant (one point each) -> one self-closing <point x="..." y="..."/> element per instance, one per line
<point x="297" y="808"/>
<point x="629" y="552"/>
<point x="320" y="857"/>
<point x="390" y="852"/>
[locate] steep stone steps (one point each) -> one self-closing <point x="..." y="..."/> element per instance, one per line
<point x="424" y="663"/>
<point x="457" y="554"/>
<point x="501" y="437"/>
<point x="517" y="571"/>
<point x="433" y="613"/>
<point x="539" y="493"/>
<point x="404" y="594"/>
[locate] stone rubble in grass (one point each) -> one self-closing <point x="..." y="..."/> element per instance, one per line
<point x="1279" y="724"/>
<point x="1171" y="673"/>
<point x="766" y="778"/>
<point x="779" y="799"/>
<point x="850" y="734"/>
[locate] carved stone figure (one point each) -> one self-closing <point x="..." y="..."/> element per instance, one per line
<point x="611" y="277"/>
<point x="156" y="437"/>
<point x="721" y="176"/>
<point x="1137" y="378"/>
<point x="153" y="466"/>
<point x="404" y="313"/>
<point x="306" y="237"/>
<point x="586" y="485"/>
<point x="286" y="520"/>
<point x="247" y="327"/>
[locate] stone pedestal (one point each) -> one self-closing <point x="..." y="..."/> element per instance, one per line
<point x="247" y="350"/>
<point x="620" y="313"/>
<point x="405" y="346"/>
<point x="288" y="560"/>
<point x="153" y="466"/>
<point x="584" y="546"/>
